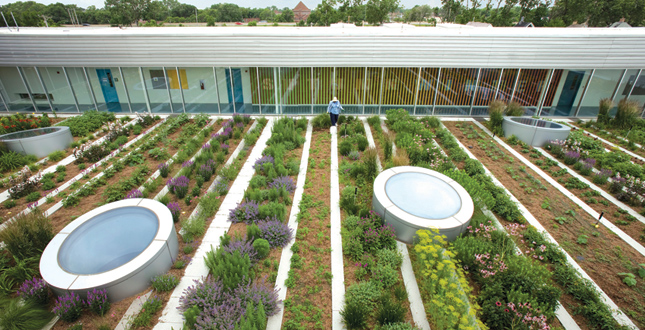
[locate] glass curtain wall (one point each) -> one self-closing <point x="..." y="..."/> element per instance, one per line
<point x="14" y="93"/>
<point x="486" y="88"/>
<point x="177" y="82"/>
<point x="373" y="88"/>
<point x="109" y="89"/>
<point x="131" y="78"/>
<point x="602" y="85"/>
<point x="637" y="90"/>
<point x="81" y="89"/>
<point x="570" y="88"/>
<point x="198" y="87"/>
<point x="323" y="88"/>
<point x="550" y="93"/>
<point x="456" y="87"/>
<point x="295" y="90"/>
<point x="263" y="90"/>
<point x="62" y="97"/>
<point x="528" y="89"/>
<point x="157" y="89"/>
<point x="427" y="91"/>
<point x="399" y="89"/>
<point x="40" y="97"/>
<point x="349" y="89"/>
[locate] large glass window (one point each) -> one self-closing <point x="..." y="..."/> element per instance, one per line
<point x="55" y="81"/>
<point x="224" y="92"/>
<point x="551" y="91"/>
<point x="323" y="88"/>
<point x="372" y="90"/>
<point x="155" y="84"/>
<point x="295" y="90"/>
<point x="455" y="93"/>
<point x="264" y="93"/>
<point x="37" y="91"/>
<point x="136" y="91"/>
<point x="569" y="90"/>
<point x="81" y="90"/>
<point x="529" y="88"/>
<point x="177" y="81"/>
<point x="427" y="88"/>
<point x="200" y="94"/>
<point x="399" y="88"/>
<point x="488" y="81"/>
<point x="602" y="85"/>
<point x="13" y="90"/>
<point x="349" y="89"/>
<point x="638" y="91"/>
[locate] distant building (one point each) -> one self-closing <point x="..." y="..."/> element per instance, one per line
<point x="522" y="23"/>
<point x="575" y="24"/>
<point x="246" y="20"/>
<point x="300" y="12"/>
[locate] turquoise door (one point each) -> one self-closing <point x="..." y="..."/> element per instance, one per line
<point x="109" y="90"/>
<point x="235" y="93"/>
<point x="569" y="92"/>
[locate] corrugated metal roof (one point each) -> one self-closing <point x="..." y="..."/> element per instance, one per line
<point x="402" y="46"/>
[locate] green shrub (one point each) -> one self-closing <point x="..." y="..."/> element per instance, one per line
<point x="348" y="200"/>
<point x="192" y="228"/>
<point x="364" y="294"/>
<point x="496" y="113"/>
<point x="473" y="167"/>
<point x="345" y="147"/>
<point x="388" y="141"/>
<point x="603" y="110"/>
<point x="28" y="235"/>
<point x="56" y="155"/>
<point x="626" y="115"/>
<point x="262" y="247"/>
<point x="370" y="159"/>
<point x="514" y="109"/>
<point x="136" y="130"/>
<point x="9" y="204"/>
<point x="354" y="316"/>
<point x="34" y="196"/>
<point x="361" y="142"/>
<point x="321" y="121"/>
<point x="253" y="232"/>
<point x="390" y="312"/>
<point x="22" y="315"/>
<point x="11" y="161"/>
<point x="384" y="276"/>
<point x="390" y="258"/>
<point x="231" y="268"/>
<point x="165" y="282"/>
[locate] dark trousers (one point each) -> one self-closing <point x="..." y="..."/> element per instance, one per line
<point x="334" y="118"/>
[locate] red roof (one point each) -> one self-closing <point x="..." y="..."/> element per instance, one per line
<point x="301" y="7"/>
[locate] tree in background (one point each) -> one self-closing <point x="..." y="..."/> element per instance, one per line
<point x="418" y="13"/>
<point x="377" y="10"/>
<point x="228" y="12"/>
<point x="126" y="12"/>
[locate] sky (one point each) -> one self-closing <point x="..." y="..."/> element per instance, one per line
<point x="201" y="4"/>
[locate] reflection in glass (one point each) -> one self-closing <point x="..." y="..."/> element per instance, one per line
<point x="177" y="81"/>
<point x="637" y="91"/>
<point x="200" y="94"/>
<point x="372" y="90"/>
<point x="62" y="98"/>
<point x="156" y="87"/>
<point x="488" y="81"/>
<point x="455" y="93"/>
<point x="13" y="90"/>
<point x="295" y="90"/>
<point x="399" y="88"/>
<point x="349" y="89"/>
<point x="323" y="89"/>
<point x="38" y="93"/>
<point x="602" y="86"/>
<point x="568" y="93"/>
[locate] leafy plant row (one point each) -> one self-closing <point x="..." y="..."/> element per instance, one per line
<point x="239" y="260"/>
<point x="504" y="293"/>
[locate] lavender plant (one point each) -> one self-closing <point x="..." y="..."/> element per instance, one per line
<point x="259" y="163"/>
<point x="165" y="282"/>
<point x="69" y="307"/>
<point x="164" y="170"/>
<point x="188" y="163"/>
<point x="244" y="247"/>
<point x="246" y="212"/>
<point x="34" y="290"/>
<point x="278" y="234"/>
<point x="175" y="210"/>
<point x="221" y="187"/>
<point x="283" y="182"/>
<point x="178" y="186"/>
<point x="97" y="301"/>
<point x="134" y="193"/>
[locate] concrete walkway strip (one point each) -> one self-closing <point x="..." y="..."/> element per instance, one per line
<point x="618" y="315"/>
<point x="338" y="274"/>
<point x="275" y="321"/>
<point x="603" y="193"/>
<point x="628" y="239"/>
<point x="171" y="318"/>
<point x="132" y="312"/>
<point x="409" y="280"/>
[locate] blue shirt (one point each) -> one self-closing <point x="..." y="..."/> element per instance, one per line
<point x="334" y="107"/>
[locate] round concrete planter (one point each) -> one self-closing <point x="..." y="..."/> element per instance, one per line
<point x="411" y="198"/>
<point x="534" y="132"/>
<point x="119" y="247"/>
<point x="39" y="142"/>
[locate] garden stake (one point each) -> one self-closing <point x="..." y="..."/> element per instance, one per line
<point x="600" y="217"/>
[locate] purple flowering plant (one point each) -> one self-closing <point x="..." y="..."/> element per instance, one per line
<point x="283" y="182"/>
<point x="164" y="170"/>
<point x="69" y="307"/>
<point x="277" y="233"/>
<point x="134" y="193"/>
<point x="35" y="290"/>
<point x="259" y="163"/>
<point x="175" y="210"/>
<point x="178" y="186"/>
<point x="97" y="301"/>
<point x="246" y="212"/>
<point x="244" y="247"/>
